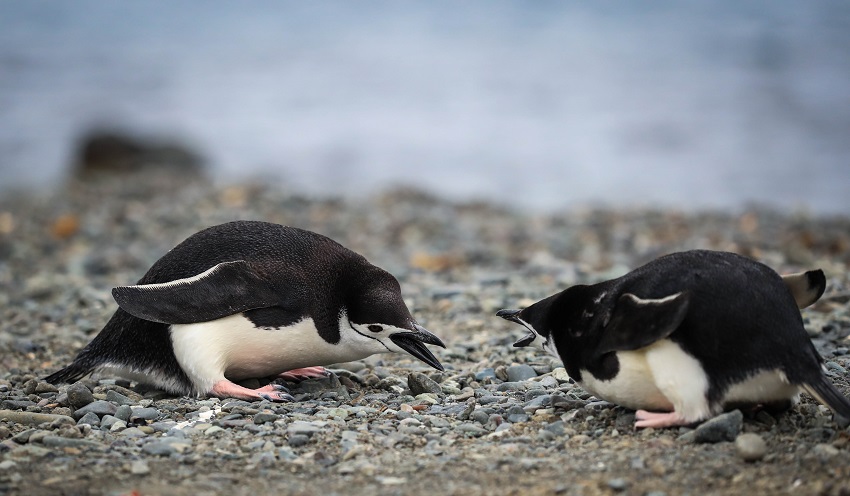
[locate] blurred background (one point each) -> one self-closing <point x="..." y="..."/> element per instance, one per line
<point x="540" y="105"/>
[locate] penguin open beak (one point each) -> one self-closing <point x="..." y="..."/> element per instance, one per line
<point x="412" y="342"/>
<point x="513" y="316"/>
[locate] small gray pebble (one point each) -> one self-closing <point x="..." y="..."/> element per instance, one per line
<point x="79" y="395"/>
<point x="420" y="383"/>
<point x="485" y="373"/>
<point x="99" y="407"/>
<point x="263" y="417"/>
<point x="618" y="484"/>
<point x="519" y="373"/>
<point x="750" y="447"/>
<point x="123" y="413"/>
<point x="159" y="449"/>
<point x="724" y="427"/>
<point x="297" y="440"/>
<point x="90" y="418"/>
<point x="108" y="421"/>
<point x="144" y="414"/>
<point x="118" y="398"/>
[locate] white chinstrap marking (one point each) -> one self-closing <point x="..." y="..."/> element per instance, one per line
<point x="233" y="348"/>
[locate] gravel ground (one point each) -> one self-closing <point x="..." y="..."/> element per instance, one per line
<point x="498" y="421"/>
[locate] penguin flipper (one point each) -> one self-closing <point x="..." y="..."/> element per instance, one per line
<point x="806" y="287"/>
<point x="637" y="322"/>
<point x="225" y="289"/>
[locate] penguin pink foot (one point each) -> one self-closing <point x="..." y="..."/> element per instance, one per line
<point x="272" y="392"/>
<point x="304" y="373"/>
<point x="657" y="420"/>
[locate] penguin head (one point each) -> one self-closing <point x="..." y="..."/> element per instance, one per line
<point x="568" y="313"/>
<point x="379" y="321"/>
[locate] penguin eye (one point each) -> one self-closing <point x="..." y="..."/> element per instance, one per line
<point x="375" y="328"/>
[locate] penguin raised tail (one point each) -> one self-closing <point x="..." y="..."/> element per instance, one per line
<point x="827" y="394"/>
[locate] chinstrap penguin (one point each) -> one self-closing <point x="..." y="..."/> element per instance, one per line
<point x="686" y="335"/>
<point x="251" y="300"/>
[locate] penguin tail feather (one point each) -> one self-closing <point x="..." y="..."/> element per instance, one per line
<point x="71" y="373"/>
<point x="830" y="396"/>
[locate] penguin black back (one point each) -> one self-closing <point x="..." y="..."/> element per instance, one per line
<point x="276" y="276"/>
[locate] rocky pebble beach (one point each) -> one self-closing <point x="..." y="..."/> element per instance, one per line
<point x="498" y="420"/>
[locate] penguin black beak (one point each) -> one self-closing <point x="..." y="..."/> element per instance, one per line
<point x="513" y="316"/>
<point x="412" y="342"/>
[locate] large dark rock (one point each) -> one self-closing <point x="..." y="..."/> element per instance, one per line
<point x="107" y="153"/>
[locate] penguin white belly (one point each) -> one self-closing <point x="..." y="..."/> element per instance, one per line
<point x="763" y="387"/>
<point x="659" y="377"/>
<point x="633" y="387"/>
<point x="234" y="348"/>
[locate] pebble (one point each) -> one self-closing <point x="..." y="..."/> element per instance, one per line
<point x="64" y="442"/>
<point x="263" y="417"/>
<point x="421" y="383"/>
<point x="79" y="395"/>
<point x="90" y="418"/>
<point x="296" y="440"/>
<point x="139" y="467"/>
<point x="123" y="412"/>
<point x="33" y="418"/>
<point x="519" y="373"/>
<point x="824" y="452"/>
<point x="119" y="399"/>
<point x="724" y="427"/>
<point x="618" y="484"/>
<point x="143" y="414"/>
<point x="98" y="407"/>
<point x="750" y="447"/>
<point x="159" y="448"/>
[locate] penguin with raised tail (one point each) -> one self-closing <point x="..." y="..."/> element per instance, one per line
<point x="686" y="335"/>
<point x="251" y="299"/>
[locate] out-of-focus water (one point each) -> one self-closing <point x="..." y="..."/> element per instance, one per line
<point x="537" y="104"/>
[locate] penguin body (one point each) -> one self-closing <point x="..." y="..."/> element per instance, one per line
<point x="250" y="299"/>
<point x="685" y="335"/>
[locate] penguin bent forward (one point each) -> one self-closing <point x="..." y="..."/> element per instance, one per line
<point x="251" y="299"/>
<point x="686" y="335"/>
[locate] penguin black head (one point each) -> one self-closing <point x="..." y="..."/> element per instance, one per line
<point x="380" y="320"/>
<point x="566" y="313"/>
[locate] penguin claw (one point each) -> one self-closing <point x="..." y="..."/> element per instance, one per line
<point x="305" y="373"/>
<point x="277" y="397"/>
<point x="271" y="392"/>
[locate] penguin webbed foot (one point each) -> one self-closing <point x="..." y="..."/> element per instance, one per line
<point x="644" y="419"/>
<point x="296" y="375"/>
<point x="272" y="392"/>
